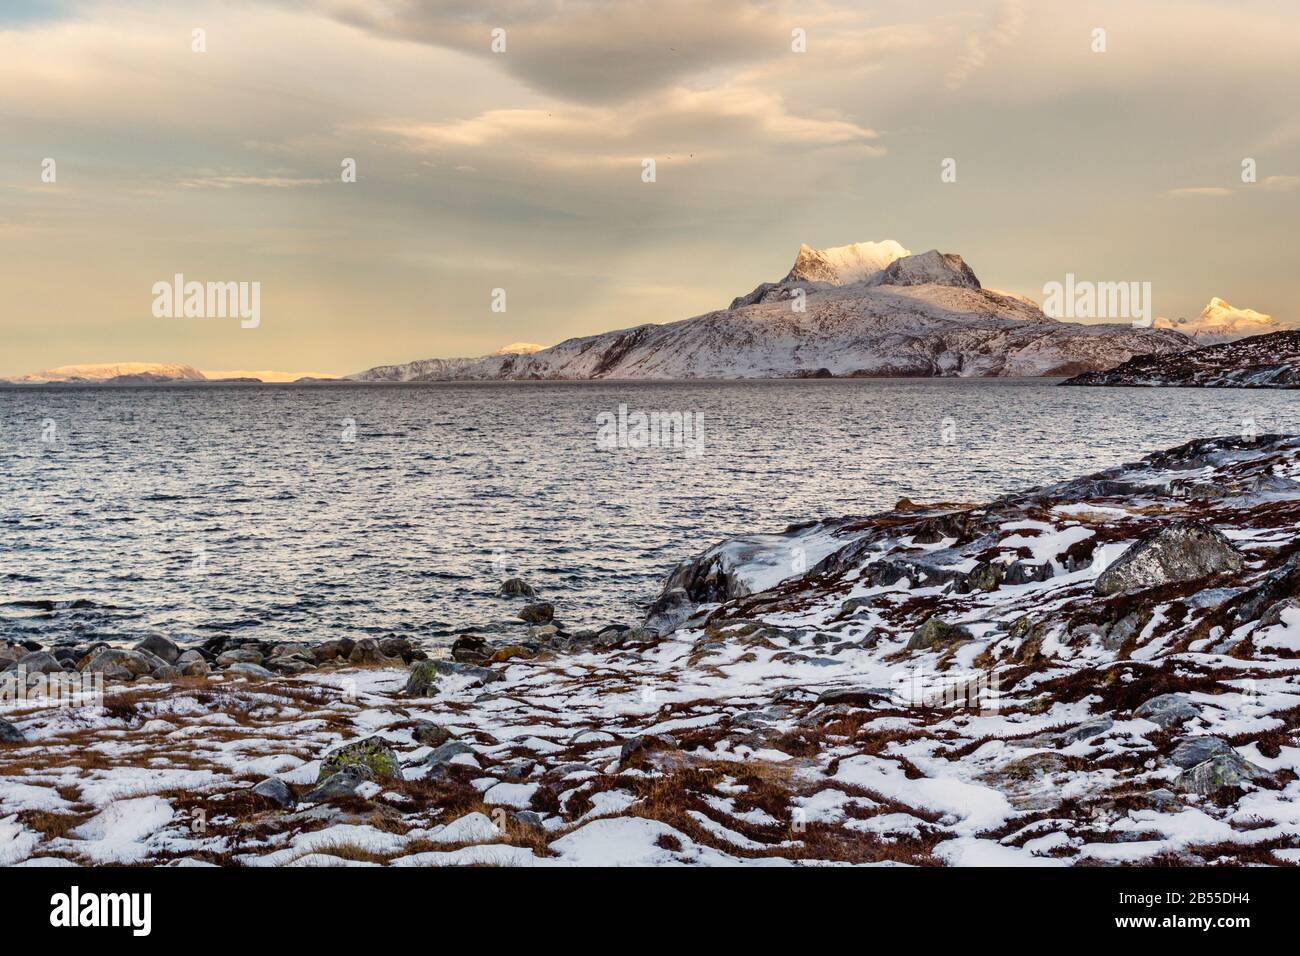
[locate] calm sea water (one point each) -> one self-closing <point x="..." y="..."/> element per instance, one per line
<point x="297" y="513"/>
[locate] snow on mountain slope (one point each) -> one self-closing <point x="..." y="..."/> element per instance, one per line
<point x="112" y="370"/>
<point x="1221" y="322"/>
<point x="844" y="265"/>
<point x="923" y="315"/>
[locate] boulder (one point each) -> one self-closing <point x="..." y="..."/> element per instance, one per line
<point x="9" y="734"/>
<point x="937" y="631"/>
<point x="1088" y="729"/>
<point x="371" y="753"/>
<point x="854" y="696"/>
<point x="985" y="576"/>
<point x="471" y="649"/>
<point x="277" y="791"/>
<point x="510" y="651"/>
<point x="1034" y="766"/>
<point x="1193" y="750"/>
<point x="135" y="663"/>
<point x="539" y="613"/>
<point x="478" y="675"/>
<point x="1224" y="770"/>
<point x="160" y="647"/>
<point x="367" y="651"/>
<point x="430" y="734"/>
<point x="423" y="681"/>
<point x="516" y="587"/>
<point x="1179" y="552"/>
<point x="251" y="671"/>
<point x="398" y="647"/>
<point x="168" y="672"/>
<point x="1167" y="710"/>
<point x="344" y="783"/>
<point x="194" y="666"/>
<point x="39" y="662"/>
<point x="240" y="655"/>
<point x="1027" y="572"/>
<point x="330" y="650"/>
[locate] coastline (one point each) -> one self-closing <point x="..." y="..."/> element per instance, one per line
<point x="930" y="685"/>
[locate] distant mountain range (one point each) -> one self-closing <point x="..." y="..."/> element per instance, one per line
<point x="1261" y="361"/>
<point x="152" y="373"/>
<point x="870" y="309"/>
<point x="1221" y="322"/>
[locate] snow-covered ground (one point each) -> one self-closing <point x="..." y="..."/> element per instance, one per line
<point x="945" y="686"/>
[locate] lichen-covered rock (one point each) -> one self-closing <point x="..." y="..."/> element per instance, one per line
<point x="1179" y="552"/>
<point x="371" y="753"/>
<point x="423" y="681"/>
<point x="937" y="631"/>
<point x="1224" y="770"/>
<point x="1088" y="729"/>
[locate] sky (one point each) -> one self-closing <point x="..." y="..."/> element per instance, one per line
<point x="522" y="169"/>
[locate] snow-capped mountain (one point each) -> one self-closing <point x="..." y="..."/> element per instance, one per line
<point x="110" y="371"/>
<point x="1221" y="322"/>
<point x="1261" y="361"/>
<point x="869" y="309"/>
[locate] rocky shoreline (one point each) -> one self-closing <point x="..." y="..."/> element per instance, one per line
<point x="1261" y="361"/>
<point x="1102" y="671"/>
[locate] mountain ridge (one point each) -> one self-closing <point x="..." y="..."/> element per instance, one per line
<point x="862" y="310"/>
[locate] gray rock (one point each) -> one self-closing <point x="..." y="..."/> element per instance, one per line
<point x="371" y="753"/>
<point x="251" y="671"/>
<point x="240" y="655"/>
<point x="1088" y="729"/>
<point x="478" y="675"/>
<point x="539" y="613"/>
<point x="330" y="650"/>
<point x="341" y="784"/>
<point x="1179" y="552"/>
<point x="136" y="663"/>
<point x="1167" y="710"/>
<point x="160" y="647"/>
<point x="1193" y="750"/>
<point x="1274" y="614"/>
<point x="436" y="763"/>
<point x="39" y="662"/>
<point x="985" y="576"/>
<point x="644" y="744"/>
<point x="9" y="734"/>
<point x="398" y="647"/>
<point x="1224" y="770"/>
<point x="1026" y="572"/>
<point x="168" y="672"/>
<point x="1163" y="799"/>
<point x="277" y="791"/>
<point x="423" y="681"/>
<point x="1034" y="766"/>
<point x="937" y="631"/>
<point x="516" y="587"/>
<point x="196" y="666"/>
<point x="515" y="770"/>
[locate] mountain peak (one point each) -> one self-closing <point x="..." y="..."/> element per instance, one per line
<point x="1220" y="321"/>
<point x="844" y="265"/>
<point x="519" y="348"/>
<point x="929" y="268"/>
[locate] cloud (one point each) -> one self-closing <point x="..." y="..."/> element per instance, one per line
<point x="1281" y="184"/>
<point x="705" y="125"/>
<point x="593" y="51"/>
<point x="232" y="182"/>
<point x="1200" y="191"/>
<point x="981" y="45"/>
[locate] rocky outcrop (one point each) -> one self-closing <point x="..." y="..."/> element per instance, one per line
<point x="1177" y="553"/>
<point x="1261" y="361"/>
